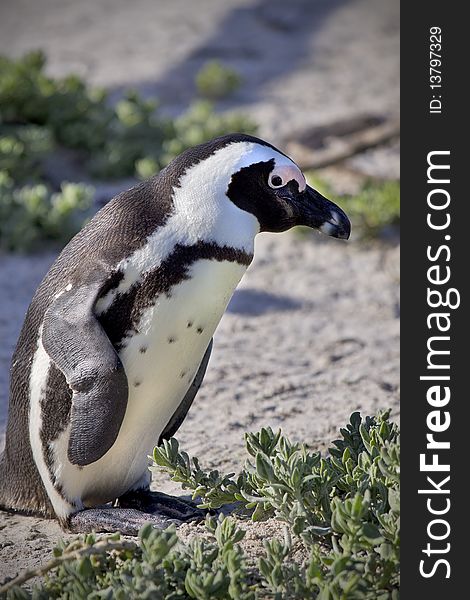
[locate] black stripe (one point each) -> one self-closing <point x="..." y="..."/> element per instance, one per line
<point x="55" y="406"/>
<point x="123" y="316"/>
<point x="55" y="412"/>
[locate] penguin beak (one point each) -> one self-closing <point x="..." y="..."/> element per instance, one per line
<point x="314" y="210"/>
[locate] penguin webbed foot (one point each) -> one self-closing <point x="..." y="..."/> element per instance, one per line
<point x="134" y="510"/>
<point x="128" y="521"/>
<point x="162" y="505"/>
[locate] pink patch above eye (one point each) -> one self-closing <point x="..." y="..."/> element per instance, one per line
<point x="288" y="173"/>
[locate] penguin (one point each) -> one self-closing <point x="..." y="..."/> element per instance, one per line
<point x="118" y="335"/>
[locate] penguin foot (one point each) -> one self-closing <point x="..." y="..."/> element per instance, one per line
<point x="127" y="521"/>
<point x="157" y="503"/>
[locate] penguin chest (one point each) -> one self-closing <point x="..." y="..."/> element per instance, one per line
<point x="161" y="355"/>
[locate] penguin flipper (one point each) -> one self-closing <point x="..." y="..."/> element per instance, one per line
<point x="78" y="345"/>
<point x="180" y="413"/>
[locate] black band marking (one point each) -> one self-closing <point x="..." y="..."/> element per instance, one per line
<point x="123" y="316"/>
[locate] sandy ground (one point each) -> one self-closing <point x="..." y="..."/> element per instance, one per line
<point x="312" y="332"/>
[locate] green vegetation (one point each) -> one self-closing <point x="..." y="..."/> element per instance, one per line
<point x="343" y="508"/>
<point x="21" y="151"/>
<point x="374" y="208"/>
<point x="214" y="81"/>
<point x="32" y="215"/>
<point x="109" y="140"/>
<point x="40" y="114"/>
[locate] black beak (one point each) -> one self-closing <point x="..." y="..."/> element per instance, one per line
<point x="314" y="210"/>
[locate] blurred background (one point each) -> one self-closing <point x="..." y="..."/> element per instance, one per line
<point x="95" y="95"/>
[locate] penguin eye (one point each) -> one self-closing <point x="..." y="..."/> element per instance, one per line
<point x="276" y="181"/>
<point x="285" y="172"/>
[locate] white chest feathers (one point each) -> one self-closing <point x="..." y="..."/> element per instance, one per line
<point x="160" y="360"/>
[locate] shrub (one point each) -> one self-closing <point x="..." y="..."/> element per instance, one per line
<point x="343" y="507"/>
<point x="32" y="215"/>
<point x="76" y="115"/>
<point x="215" y="81"/>
<point x="118" y="141"/>
<point x="199" y="124"/>
<point x="376" y="207"/>
<point x="39" y="113"/>
<point x="22" y="150"/>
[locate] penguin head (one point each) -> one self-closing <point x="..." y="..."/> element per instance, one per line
<point x="236" y="180"/>
<point x="273" y="188"/>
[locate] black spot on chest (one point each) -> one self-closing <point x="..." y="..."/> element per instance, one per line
<point x="123" y="316"/>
